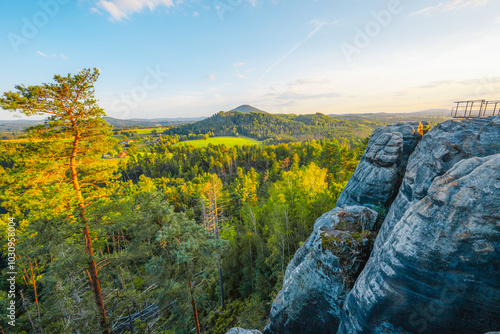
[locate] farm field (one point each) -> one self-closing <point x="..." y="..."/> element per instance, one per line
<point x="147" y="131"/>
<point x="228" y="141"/>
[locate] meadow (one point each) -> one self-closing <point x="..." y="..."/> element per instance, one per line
<point x="228" y="141"/>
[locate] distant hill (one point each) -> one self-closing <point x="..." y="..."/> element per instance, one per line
<point x="430" y="115"/>
<point x="277" y="127"/>
<point x="153" y="122"/>
<point x="15" y="127"/>
<point x="245" y="108"/>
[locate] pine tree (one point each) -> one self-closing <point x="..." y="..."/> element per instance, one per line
<point x="61" y="170"/>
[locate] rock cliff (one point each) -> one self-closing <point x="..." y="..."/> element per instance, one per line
<point x="378" y="175"/>
<point x="438" y="271"/>
<point x="323" y="269"/>
<point x="440" y="150"/>
<point x="434" y="267"/>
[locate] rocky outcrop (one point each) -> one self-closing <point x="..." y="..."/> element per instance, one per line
<point x="438" y="270"/>
<point x="440" y="149"/>
<point x="381" y="168"/>
<point x="434" y="264"/>
<point x="322" y="271"/>
<point x="239" y="330"/>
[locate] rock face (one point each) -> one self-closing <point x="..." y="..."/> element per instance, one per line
<point x="239" y="330"/>
<point x="321" y="272"/>
<point x="440" y="149"/>
<point x="380" y="171"/>
<point x="435" y="263"/>
<point x="438" y="270"/>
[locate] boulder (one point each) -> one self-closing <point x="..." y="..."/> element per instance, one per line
<point x="438" y="271"/>
<point x="322" y="271"/>
<point x="439" y="150"/>
<point x="377" y="177"/>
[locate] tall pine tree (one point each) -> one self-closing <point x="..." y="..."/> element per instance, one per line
<point x="61" y="170"/>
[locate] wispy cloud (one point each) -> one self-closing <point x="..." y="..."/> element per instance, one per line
<point x="450" y="6"/>
<point x="196" y="14"/>
<point x="237" y="71"/>
<point x="121" y="9"/>
<point x="53" y="55"/>
<point x="212" y="77"/>
<point x="94" y="10"/>
<point x="317" y="27"/>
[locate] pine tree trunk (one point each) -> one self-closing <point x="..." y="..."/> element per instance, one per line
<point x="221" y="286"/>
<point x="94" y="279"/>
<point x="193" y="304"/>
<point x="216" y="217"/>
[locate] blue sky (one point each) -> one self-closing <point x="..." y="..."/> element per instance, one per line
<point x="188" y="58"/>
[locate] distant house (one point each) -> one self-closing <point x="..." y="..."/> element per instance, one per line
<point x="123" y="154"/>
<point x="106" y="156"/>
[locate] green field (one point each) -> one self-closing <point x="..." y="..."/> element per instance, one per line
<point x="228" y="141"/>
<point x="147" y="131"/>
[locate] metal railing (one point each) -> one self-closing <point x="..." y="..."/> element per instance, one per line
<point x="475" y="108"/>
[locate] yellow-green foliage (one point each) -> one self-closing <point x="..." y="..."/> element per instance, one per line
<point x="228" y="141"/>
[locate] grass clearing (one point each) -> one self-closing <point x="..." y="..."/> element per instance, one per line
<point x="148" y="131"/>
<point x="228" y="141"/>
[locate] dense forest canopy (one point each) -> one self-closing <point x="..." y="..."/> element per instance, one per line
<point x="179" y="239"/>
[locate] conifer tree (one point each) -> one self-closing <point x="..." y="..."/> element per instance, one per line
<point x="61" y="170"/>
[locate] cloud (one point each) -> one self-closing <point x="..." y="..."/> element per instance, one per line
<point x="42" y="54"/>
<point x="450" y="6"/>
<point x="196" y="14"/>
<point x="317" y="27"/>
<point x="94" y="10"/>
<point x="64" y="57"/>
<point x="121" y="9"/>
<point x="212" y="77"/>
<point x="237" y="71"/>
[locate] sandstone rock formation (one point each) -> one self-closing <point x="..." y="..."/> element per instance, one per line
<point x="438" y="271"/>
<point x="440" y="149"/>
<point x="380" y="171"/>
<point x="322" y="271"/>
<point x="435" y="263"/>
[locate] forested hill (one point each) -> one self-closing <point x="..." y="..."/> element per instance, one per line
<point x="277" y="128"/>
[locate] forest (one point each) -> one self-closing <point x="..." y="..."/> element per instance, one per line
<point x="277" y="128"/>
<point x="173" y="239"/>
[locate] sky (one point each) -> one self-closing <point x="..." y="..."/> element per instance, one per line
<point x="192" y="58"/>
